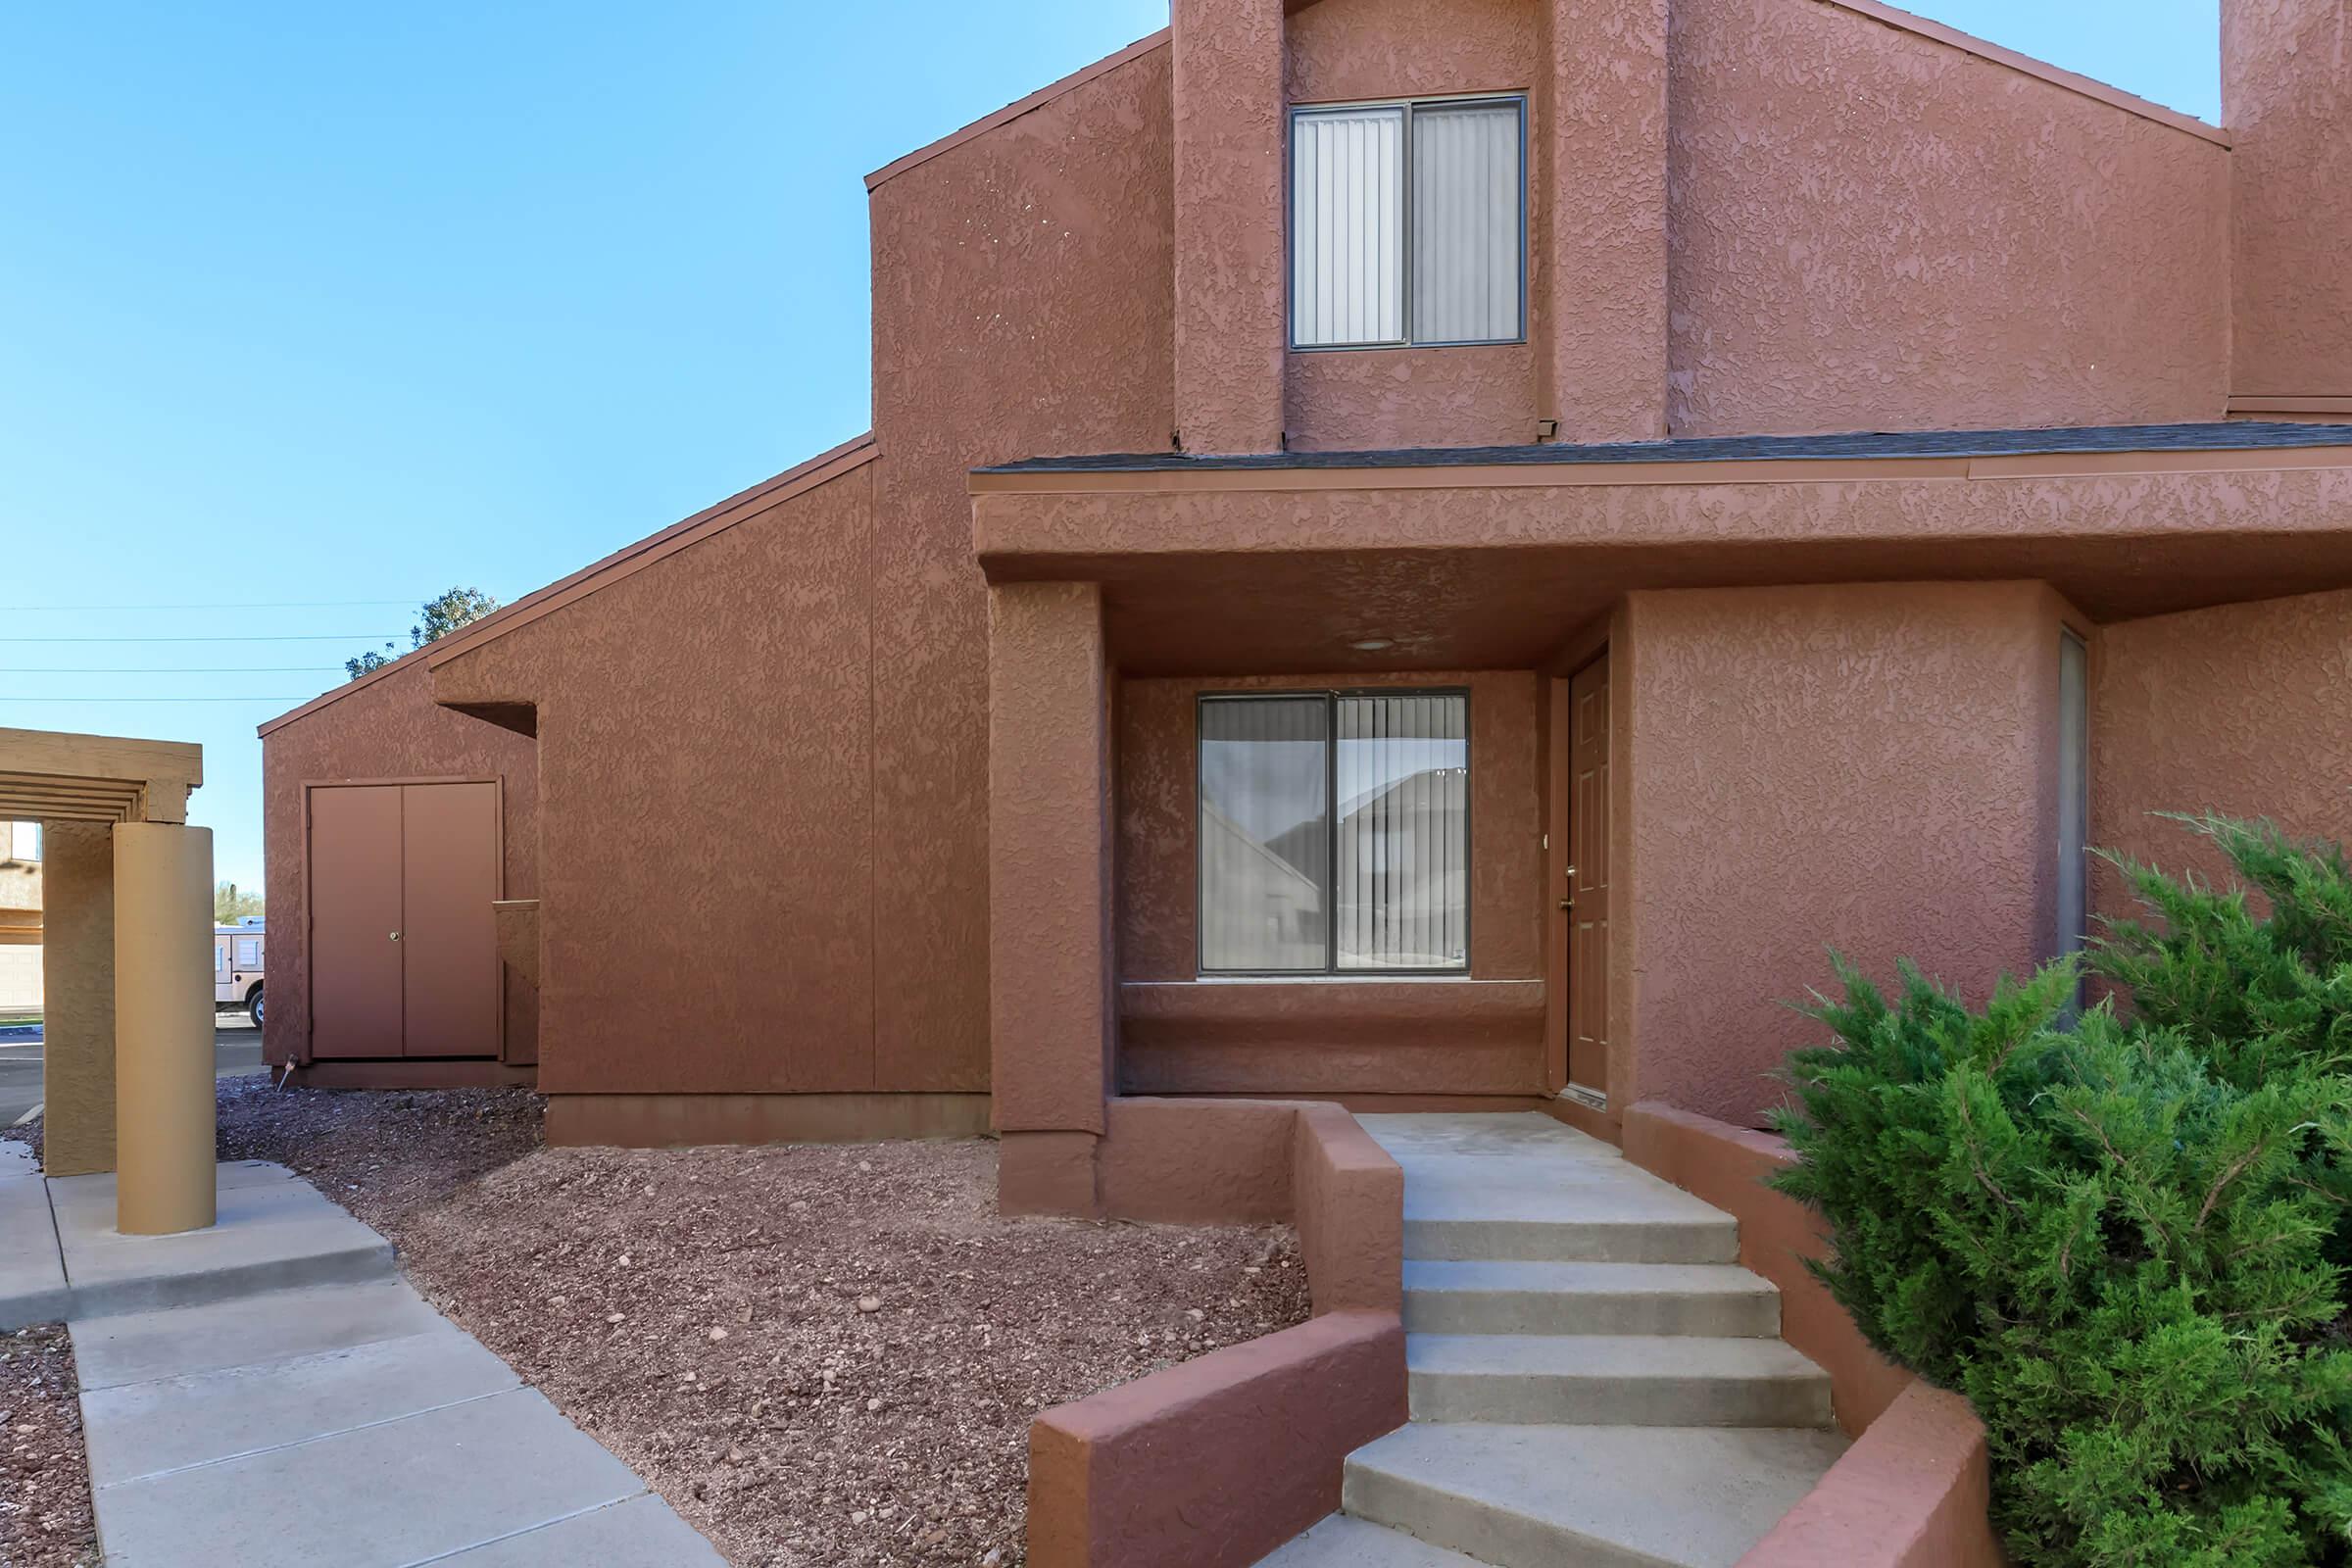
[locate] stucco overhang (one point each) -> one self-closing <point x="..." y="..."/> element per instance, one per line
<point x="1486" y="560"/>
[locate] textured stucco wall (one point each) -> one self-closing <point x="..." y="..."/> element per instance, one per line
<point x="387" y="729"/>
<point x="1600" y="218"/>
<point x="1867" y="767"/>
<point x="77" y="975"/>
<point x="1341" y="51"/>
<point x="1229" y="197"/>
<point x="1023" y="283"/>
<point x="1876" y="230"/>
<point x="707" y="888"/>
<point x="2287" y="92"/>
<point x="1048" y="852"/>
<point x="2245" y="709"/>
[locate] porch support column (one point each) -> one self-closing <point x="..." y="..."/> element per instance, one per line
<point x="163" y="1112"/>
<point x="1051" y="1022"/>
<point x="1230" y="327"/>
<point x="78" y="998"/>
<point x="1598" y="285"/>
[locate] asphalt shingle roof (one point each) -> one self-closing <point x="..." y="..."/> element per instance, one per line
<point x="2220" y="436"/>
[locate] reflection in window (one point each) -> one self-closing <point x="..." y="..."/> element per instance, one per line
<point x="1335" y="833"/>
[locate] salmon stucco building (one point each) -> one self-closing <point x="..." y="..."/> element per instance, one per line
<point x="1419" y="555"/>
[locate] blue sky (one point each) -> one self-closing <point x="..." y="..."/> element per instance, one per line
<point x="309" y="311"/>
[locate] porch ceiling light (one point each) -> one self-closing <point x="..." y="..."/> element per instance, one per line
<point x="1372" y="645"/>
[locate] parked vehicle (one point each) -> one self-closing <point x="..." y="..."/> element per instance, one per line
<point x="237" y="966"/>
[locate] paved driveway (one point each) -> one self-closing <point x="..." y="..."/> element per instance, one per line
<point x="236" y="1048"/>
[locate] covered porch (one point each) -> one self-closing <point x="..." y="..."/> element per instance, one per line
<point x="1726" y="705"/>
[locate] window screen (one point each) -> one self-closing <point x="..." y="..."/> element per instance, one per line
<point x="1408" y="224"/>
<point x="1347" y="225"/>
<point x="1335" y="833"/>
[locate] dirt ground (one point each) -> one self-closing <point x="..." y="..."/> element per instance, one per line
<point x="817" y="1354"/>
<point x="45" y="1519"/>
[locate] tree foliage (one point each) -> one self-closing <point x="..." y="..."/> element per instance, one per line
<point x="438" y="617"/>
<point x="229" y="906"/>
<point x="2125" y="1239"/>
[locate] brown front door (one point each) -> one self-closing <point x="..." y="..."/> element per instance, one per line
<point x="404" y="951"/>
<point x="1588" y="877"/>
<point x="449" y="933"/>
<point x="354" y="913"/>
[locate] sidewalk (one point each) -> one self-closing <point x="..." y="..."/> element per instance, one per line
<point x="272" y="1393"/>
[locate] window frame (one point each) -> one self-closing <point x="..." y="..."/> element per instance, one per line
<point x="1407" y="266"/>
<point x="1331" y="697"/>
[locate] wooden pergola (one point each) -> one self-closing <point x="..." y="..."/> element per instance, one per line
<point x="126" y="1052"/>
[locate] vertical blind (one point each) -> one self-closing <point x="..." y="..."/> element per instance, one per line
<point x="1356" y="194"/>
<point x="1335" y="833"/>
<point x="1466" y="244"/>
<point x="1402" y="783"/>
<point x="1347" y="227"/>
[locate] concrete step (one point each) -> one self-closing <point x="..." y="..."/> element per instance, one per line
<point x="276" y="1232"/>
<point x="1613" y="1380"/>
<point x="1601" y="1497"/>
<point x="1672" y="1299"/>
<point x="1484" y="1188"/>
<point x="1338" y="1541"/>
<point x="1464" y="1239"/>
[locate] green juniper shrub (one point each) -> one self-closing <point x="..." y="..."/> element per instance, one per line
<point x="2123" y="1238"/>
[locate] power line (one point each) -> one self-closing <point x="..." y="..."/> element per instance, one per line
<point x="5" y="701"/>
<point x="335" y="637"/>
<point x="176" y="670"/>
<point x="281" y="604"/>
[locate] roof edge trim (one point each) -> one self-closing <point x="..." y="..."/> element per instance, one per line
<point x="1016" y="110"/>
<point x="824" y="467"/>
<point x="2057" y="76"/>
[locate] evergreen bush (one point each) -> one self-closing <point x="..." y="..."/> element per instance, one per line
<point x="2123" y="1237"/>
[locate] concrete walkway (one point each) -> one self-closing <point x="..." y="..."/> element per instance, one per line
<point x="271" y="1394"/>
<point x="1594" y="1379"/>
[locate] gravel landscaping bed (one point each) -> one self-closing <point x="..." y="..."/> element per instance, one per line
<point x="45" y="1518"/>
<point x="817" y="1354"/>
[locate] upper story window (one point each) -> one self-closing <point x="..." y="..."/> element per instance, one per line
<point x="1408" y="224"/>
<point x="1334" y="832"/>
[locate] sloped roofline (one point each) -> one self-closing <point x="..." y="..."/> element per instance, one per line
<point x="824" y="467"/>
<point x="1890" y="15"/>
<point x="1014" y="110"/>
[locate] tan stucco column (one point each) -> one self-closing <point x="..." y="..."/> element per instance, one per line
<point x="163" y="1112"/>
<point x="1050" y="1024"/>
<point x="78" y="1007"/>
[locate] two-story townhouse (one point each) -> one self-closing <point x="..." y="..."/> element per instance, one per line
<point x="1414" y="554"/>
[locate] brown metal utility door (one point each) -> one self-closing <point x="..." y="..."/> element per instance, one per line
<point x="404" y="953"/>
<point x="1587" y="900"/>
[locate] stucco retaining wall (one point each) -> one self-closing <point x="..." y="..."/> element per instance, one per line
<point x="1912" y="1490"/>
<point x="1214" y="1463"/>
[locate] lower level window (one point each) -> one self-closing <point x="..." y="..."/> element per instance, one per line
<point x="1334" y="832"/>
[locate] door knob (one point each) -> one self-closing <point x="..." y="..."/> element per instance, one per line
<point x="1567" y="904"/>
<point x="396" y="936"/>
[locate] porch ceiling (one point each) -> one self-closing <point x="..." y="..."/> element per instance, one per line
<point x="1491" y="559"/>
